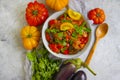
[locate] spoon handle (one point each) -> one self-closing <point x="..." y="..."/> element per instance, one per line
<point x="87" y="61"/>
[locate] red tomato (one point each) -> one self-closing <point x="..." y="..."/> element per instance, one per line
<point x="36" y="13"/>
<point x="97" y="15"/>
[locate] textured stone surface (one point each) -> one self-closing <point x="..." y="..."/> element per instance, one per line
<point x="105" y="62"/>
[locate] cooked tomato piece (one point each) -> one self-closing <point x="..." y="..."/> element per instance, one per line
<point x="61" y="17"/>
<point x="83" y="40"/>
<point x="54" y="48"/>
<point x="48" y="37"/>
<point x="66" y="52"/>
<point x="52" y="22"/>
<point x="78" y="22"/>
<point x="60" y="46"/>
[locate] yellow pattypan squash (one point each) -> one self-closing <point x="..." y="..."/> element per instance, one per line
<point x="30" y="36"/>
<point x="57" y="4"/>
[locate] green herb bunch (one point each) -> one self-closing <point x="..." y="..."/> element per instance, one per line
<point x="43" y="67"/>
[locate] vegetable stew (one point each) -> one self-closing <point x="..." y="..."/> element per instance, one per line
<point x="67" y="35"/>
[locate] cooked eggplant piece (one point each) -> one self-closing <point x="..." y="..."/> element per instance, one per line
<point x="80" y="75"/>
<point x="65" y="71"/>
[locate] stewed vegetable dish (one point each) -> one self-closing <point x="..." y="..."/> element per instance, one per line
<point x="67" y="34"/>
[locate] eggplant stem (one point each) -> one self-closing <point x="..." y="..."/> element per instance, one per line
<point x="78" y="63"/>
<point x="86" y="66"/>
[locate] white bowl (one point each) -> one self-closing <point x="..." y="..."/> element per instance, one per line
<point x="45" y="42"/>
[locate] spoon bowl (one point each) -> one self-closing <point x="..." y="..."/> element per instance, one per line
<point x="101" y="31"/>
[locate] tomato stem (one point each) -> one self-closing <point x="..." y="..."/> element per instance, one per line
<point x="29" y="36"/>
<point x="98" y="15"/>
<point x="35" y="12"/>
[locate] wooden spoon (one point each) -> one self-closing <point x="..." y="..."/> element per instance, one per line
<point x="101" y="31"/>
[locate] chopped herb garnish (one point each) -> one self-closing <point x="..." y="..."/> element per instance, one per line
<point x="60" y="34"/>
<point x="57" y="41"/>
<point x="52" y="30"/>
<point x="65" y="15"/>
<point x="71" y="42"/>
<point x="84" y="23"/>
<point x="64" y="43"/>
<point x="63" y="49"/>
<point x="80" y="29"/>
<point x="48" y="30"/>
<point x="66" y="21"/>
<point x="74" y="34"/>
<point x="87" y="29"/>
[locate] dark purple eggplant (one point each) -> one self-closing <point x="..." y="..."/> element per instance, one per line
<point x="65" y="71"/>
<point x="69" y="67"/>
<point x="80" y="75"/>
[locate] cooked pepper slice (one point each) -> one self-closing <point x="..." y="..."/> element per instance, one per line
<point x="66" y="26"/>
<point x="73" y="14"/>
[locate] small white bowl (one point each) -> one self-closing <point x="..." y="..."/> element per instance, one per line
<point x="45" y="42"/>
